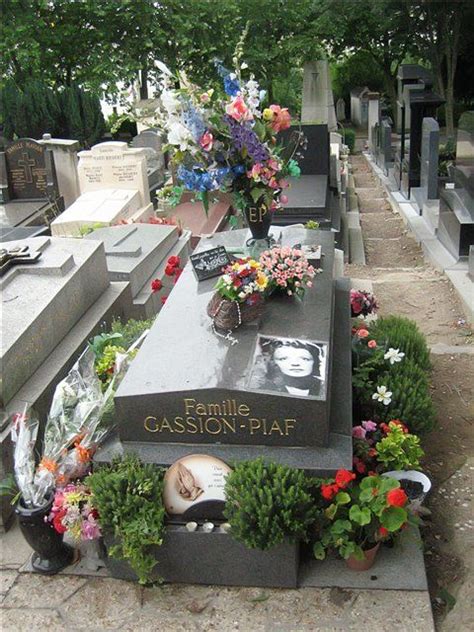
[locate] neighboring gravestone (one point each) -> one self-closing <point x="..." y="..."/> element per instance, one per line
<point x="318" y="101"/>
<point x="456" y="218"/>
<point x="408" y="74"/>
<point x="359" y="106"/>
<point x="190" y="390"/>
<point x="428" y="189"/>
<point x="341" y="110"/>
<point x="65" y="160"/>
<point x="151" y="139"/>
<point x="28" y="184"/>
<point x="138" y="253"/>
<point x="373" y="117"/>
<point x="114" y="187"/>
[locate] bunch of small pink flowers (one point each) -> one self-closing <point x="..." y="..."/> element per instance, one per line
<point x="73" y="513"/>
<point x="287" y="270"/>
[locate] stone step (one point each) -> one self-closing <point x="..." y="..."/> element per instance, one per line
<point x="356" y="246"/>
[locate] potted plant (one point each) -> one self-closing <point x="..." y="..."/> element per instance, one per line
<point x="128" y="498"/>
<point x="239" y="296"/>
<point x="358" y="515"/>
<point x="168" y="198"/>
<point x="288" y="270"/>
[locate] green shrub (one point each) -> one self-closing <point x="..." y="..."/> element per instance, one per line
<point x="349" y="139"/>
<point x="411" y="398"/>
<point x="267" y="502"/>
<point x="402" y="333"/>
<point x="399" y="450"/>
<point x="130" y="331"/>
<point x="466" y="121"/>
<point x="129" y="498"/>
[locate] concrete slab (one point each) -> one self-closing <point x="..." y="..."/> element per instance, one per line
<point x="356" y="246"/>
<point x="464" y="286"/>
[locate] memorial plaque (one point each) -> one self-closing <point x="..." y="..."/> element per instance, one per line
<point x="26" y="170"/>
<point x="209" y="263"/>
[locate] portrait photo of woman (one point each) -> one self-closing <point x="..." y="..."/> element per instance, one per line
<point x="291" y="366"/>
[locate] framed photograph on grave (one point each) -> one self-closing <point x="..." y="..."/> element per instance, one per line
<point x="289" y="366"/>
<point x="209" y="263"/>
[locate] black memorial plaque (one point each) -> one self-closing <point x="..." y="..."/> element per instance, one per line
<point x="26" y="170"/>
<point x="209" y="263"/>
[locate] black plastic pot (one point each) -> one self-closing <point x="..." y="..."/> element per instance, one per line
<point x="51" y="554"/>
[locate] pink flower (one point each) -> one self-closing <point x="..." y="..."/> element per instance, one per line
<point x="372" y="344"/>
<point x="358" y="432"/>
<point x="205" y="98"/>
<point x="370" y="426"/>
<point x="281" y="118"/>
<point x="238" y="110"/>
<point x="206" y="141"/>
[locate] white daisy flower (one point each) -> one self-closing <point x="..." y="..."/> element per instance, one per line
<point x="394" y="355"/>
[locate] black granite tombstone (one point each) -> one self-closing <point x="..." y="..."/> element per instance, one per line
<point x="191" y="391"/>
<point x="309" y="196"/>
<point x="28" y="184"/>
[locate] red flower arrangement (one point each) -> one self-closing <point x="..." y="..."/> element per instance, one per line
<point x="172" y="269"/>
<point x="362" y="303"/>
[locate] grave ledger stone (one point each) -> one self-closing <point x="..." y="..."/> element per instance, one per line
<point x="114" y="186"/>
<point x="456" y="218"/>
<point x="190" y="391"/>
<point x="28" y="184"/>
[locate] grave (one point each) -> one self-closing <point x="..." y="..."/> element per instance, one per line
<point x="359" y="106"/>
<point x="29" y="193"/>
<point x="150" y="140"/>
<point x="408" y="74"/>
<point x="373" y="116"/>
<point x="65" y="160"/>
<point x="341" y="110"/>
<point x="384" y="150"/>
<point x="171" y="403"/>
<point x="456" y="216"/>
<point x="427" y="193"/>
<point x="114" y="187"/>
<point x="420" y="102"/>
<point x="310" y="196"/>
<point x="137" y="253"/>
<point x="318" y="101"/>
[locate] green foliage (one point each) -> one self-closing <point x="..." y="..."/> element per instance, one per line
<point x="35" y="108"/>
<point x="399" y="450"/>
<point x="104" y="365"/>
<point x="349" y="139"/>
<point x="411" y="398"/>
<point x="9" y="489"/>
<point x="357" y="69"/>
<point x="402" y="333"/>
<point x="131" y="330"/>
<point x="128" y="497"/>
<point x="311" y="225"/>
<point x="267" y="503"/>
<point x="352" y="522"/>
<point x="466" y="122"/>
<point x="101" y="341"/>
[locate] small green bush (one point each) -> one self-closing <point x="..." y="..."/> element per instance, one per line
<point x="130" y="331"/>
<point x="267" y="502"/>
<point x="399" y="450"/>
<point x="349" y="139"/>
<point x="129" y="498"/>
<point x="411" y="398"/>
<point x="402" y="333"/>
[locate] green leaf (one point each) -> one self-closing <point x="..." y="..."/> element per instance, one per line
<point x="392" y="518"/>
<point x="340" y="526"/>
<point x="360" y="516"/>
<point x="343" y="498"/>
<point x="319" y="551"/>
<point x="256" y="193"/>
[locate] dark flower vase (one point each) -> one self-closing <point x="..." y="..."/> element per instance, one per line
<point x="259" y="221"/>
<point x="50" y="555"/>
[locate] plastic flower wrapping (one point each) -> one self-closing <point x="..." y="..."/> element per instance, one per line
<point x="227" y="142"/>
<point x="80" y="416"/>
<point x="243" y="281"/>
<point x="287" y="270"/>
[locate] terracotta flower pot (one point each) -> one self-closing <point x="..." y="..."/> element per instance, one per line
<point x="368" y="561"/>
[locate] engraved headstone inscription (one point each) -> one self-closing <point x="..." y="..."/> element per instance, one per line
<point x="27" y="171"/>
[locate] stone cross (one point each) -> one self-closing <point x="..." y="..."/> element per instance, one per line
<point x="26" y="162"/>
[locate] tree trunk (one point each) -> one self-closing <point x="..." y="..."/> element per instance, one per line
<point x="452" y="48"/>
<point x="144" y="82"/>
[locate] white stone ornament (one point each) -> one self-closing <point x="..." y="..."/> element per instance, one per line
<point x="208" y="527"/>
<point x="191" y="526"/>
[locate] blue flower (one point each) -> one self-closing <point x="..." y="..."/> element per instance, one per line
<point x="231" y="86"/>
<point x="194" y="122"/>
<point x="200" y="179"/>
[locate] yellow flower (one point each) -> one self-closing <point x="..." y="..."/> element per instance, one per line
<point x="262" y="281"/>
<point x="267" y="114"/>
<point x="254" y="264"/>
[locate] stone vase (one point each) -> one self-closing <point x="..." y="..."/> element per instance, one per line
<point x="51" y="554"/>
<point x="366" y="563"/>
<point x="259" y="220"/>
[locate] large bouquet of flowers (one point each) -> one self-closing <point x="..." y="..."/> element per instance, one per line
<point x="227" y="142"/>
<point x="288" y="270"/>
<point x="72" y="512"/>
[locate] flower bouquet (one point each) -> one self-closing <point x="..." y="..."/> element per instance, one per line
<point x="359" y="515"/>
<point x="362" y="303"/>
<point x="288" y="270"/>
<point x="72" y="513"/>
<point x="239" y="295"/>
<point x="228" y="142"/>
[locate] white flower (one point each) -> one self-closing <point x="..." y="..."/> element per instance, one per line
<point x="242" y="295"/>
<point x="244" y="66"/>
<point x="227" y="280"/>
<point x="382" y="395"/>
<point x="394" y="355"/>
<point x="170" y="101"/>
<point x="179" y="135"/>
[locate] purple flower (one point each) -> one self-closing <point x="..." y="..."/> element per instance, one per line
<point x="358" y="432"/>
<point x="244" y="136"/>
<point x="370" y="426"/>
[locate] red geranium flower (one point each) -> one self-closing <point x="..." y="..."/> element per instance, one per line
<point x="384" y="428"/>
<point x="398" y="423"/>
<point x="156" y="285"/>
<point x="174" y="261"/>
<point x="329" y="491"/>
<point x="397" y="498"/>
<point x="169" y="270"/>
<point x="344" y="477"/>
<point x="163" y="299"/>
<point x="383" y="532"/>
